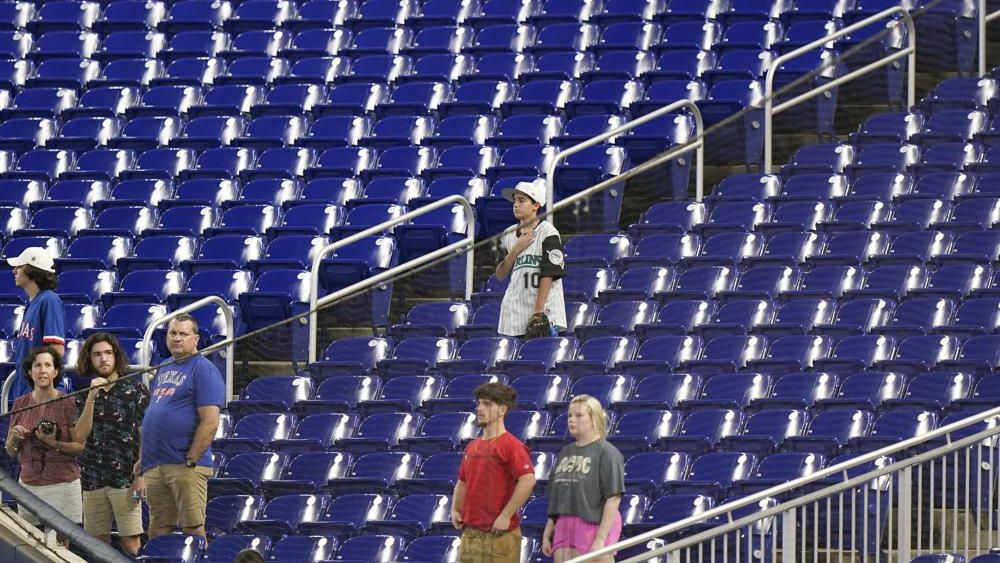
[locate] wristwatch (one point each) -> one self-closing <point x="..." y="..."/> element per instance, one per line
<point x="190" y="463"/>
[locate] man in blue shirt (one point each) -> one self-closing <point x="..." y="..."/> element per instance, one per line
<point x="43" y="321"/>
<point x="183" y="414"/>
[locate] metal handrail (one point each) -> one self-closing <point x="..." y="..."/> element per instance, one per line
<point x="779" y="490"/>
<point x="470" y="240"/>
<point x="146" y="353"/>
<point x="910" y="51"/>
<point x="984" y="18"/>
<point x="697" y="143"/>
<point x="8" y="382"/>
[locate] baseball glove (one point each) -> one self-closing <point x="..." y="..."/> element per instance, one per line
<point x="538" y="327"/>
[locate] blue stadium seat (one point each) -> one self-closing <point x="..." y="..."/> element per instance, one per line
<point x="189" y="70"/>
<point x="415" y="355"/>
<point x="894" y="427"/>
<point x="283" y="514"/>
<point x="539" y="355"/>
<point x="174" y="547"/>
<point x="338" y="395"/>
<point x="255" y="431"/>
<point x="380" y="432"/>
<point x="713" y="473"/>
<point x="403" y="394"/>
<point x="226" y="547"/>
<point x="376" y="471"/>
<point x="85" y="286"/>
<point x="799" y="390"/>
<point x="307" y="473"/>
<point x="765" y="431"/>
<point x="336" y="131"/>
<point x="378" y="69"/>
<point x="831" y="429"/>
<point x="317" y="432"/>
<point x="242" y="474"/>
<point x="663" y="354"/>
<point x="271" y="394"/>
<point x="780" y="468"/>
<point x="702" y="430"/>
<point x="225" y="511"/>
<point x="642" y="430"/>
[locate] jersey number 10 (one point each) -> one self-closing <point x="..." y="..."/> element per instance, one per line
<point x="531" y="280"/>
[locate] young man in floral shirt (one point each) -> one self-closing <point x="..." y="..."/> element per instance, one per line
<point x="110" y="418"/>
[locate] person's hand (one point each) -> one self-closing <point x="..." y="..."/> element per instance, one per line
<point x="547" y="545"/>
<point x="522" y="243"/>
<point x="19" y="433"/>
<point x="95" y="386"/>
<point x="47" y="439"/>
<point x="598" y="544"/>
<point x="456" y="519"/>
<point x="138" y="486"/>
<point x="501" y="524"/>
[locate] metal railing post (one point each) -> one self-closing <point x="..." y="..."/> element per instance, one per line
<point x="8" y="382"/>
<point x="469" y="241"/>
<point x="983" y="19"/>
<point x="904" y="514"/>
<point x="628" y="126"/>
<point x="910" y="51"/>
<point x="145" y="352"/>
<point x="789" y="548"/>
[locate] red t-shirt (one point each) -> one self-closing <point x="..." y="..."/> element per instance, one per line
<point x="490" y="470"/>
<point x="41" y="465"/>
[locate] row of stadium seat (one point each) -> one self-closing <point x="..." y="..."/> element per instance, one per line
<point x="432" y="394"/>
<point x="178" y="16"/>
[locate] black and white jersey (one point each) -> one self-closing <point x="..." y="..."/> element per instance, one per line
<point x="543" y="258"/>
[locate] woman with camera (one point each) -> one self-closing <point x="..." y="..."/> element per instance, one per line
<point x="43" y="437"/>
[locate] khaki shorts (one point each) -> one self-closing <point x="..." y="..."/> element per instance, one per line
<point x="177" y="495"/>
<point x="483" y="547"/>
<point x="104" y="505"/>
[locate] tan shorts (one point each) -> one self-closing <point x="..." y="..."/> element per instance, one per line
<point x="104" y="505"/>
<point x="483" y="547"/>
<point x="177" y="495"/>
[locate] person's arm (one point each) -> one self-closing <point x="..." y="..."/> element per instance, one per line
<point x="551" y="268"/>
<point x="544" y="286"/>
<point x="15" y="437"/>
<point x="607" y="519"/>
<point x="70" y="448"/>
<point x="138" y="483"/>
<point x="75" y="446"/>
<point x="507" y="264"/>
<point x="60" y="349"/>
<point x="85" y="424"/>
<point x="208" y="423"/>
<point x="53" y="326"/>
<point x="457" y="502"/>
<point x="522" y="490"/>
<point x="547" y="536"/>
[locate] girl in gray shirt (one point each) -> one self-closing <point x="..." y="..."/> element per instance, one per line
<point x="585" y="487"/>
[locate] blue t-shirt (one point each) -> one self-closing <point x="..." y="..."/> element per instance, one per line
<point x="172" y="417"/>
<point x="44" y="322"/>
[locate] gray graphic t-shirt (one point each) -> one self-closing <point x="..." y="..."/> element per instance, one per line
<point x="583" y="478"/>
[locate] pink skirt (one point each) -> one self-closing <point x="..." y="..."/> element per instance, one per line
<point x="576" y="533"/>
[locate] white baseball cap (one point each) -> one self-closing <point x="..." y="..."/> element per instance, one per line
<point x="35" y="256"/>
<point x="535" y="190"/>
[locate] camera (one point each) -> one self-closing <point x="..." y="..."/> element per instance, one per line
<point x="48" y="427"/>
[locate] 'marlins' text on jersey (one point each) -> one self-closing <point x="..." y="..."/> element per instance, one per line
<point x="542" y="258"/>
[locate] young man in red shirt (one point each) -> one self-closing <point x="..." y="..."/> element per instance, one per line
<point x="495" y="479"/>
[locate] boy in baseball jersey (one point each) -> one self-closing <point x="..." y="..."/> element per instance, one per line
<point x="532" y="255"/>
